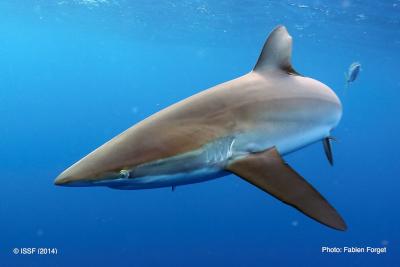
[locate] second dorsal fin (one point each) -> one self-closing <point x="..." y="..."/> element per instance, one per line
<point x="277" y="52"/>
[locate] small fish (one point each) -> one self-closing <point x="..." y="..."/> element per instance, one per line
<point x="352" y="73"/>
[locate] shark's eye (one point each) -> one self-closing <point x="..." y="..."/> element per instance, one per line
<point x="124" y="174"/>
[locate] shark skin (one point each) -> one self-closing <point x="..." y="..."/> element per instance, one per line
<point x="221" y="129"/>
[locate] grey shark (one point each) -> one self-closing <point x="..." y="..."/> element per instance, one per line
<point x="242" y="127"/>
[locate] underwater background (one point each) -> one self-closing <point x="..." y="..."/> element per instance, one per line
<point x="75" y="73"/>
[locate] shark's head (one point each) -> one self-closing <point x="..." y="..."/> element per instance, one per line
<point x="107" y="164"/>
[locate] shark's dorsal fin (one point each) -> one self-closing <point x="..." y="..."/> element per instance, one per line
<point x="277" y="52"/>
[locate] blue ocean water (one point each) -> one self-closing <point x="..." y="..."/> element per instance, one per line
<point x="75" y="73"/>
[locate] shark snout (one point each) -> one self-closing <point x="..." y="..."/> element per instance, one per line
<point x="61" y="180"/>
<point x="103" y="164"/>
<point x="75" y="175"/>
<point x="86" y="173"/>
<point x="67" y="179"/>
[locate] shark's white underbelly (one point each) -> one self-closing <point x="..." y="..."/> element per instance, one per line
<point x="286" y="141"/>
<point x="165" y="180"/>
<point x="209" y="161"/>
<point x="196" y="166"/>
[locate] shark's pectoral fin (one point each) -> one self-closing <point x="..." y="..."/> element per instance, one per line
<point x="270" y="173"/>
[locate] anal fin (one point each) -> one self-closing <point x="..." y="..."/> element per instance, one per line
<point x="270" y="173"/>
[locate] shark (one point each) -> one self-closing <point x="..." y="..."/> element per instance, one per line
<point x="243" y="127"/>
